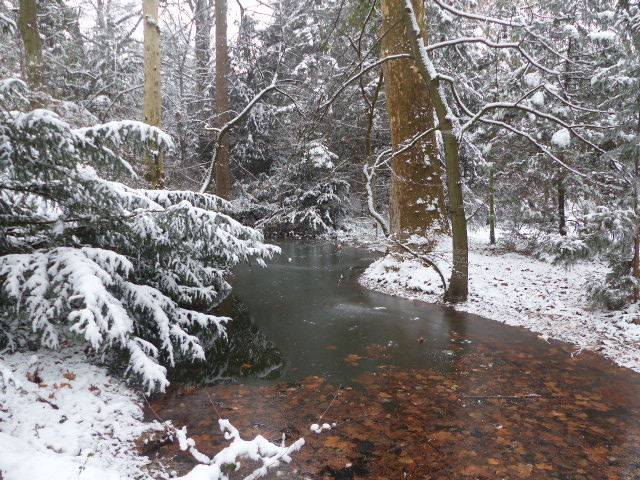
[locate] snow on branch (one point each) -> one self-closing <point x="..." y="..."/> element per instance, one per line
<point x="7" y="25"/>
<point x="258" y="450"/>
<point x="226" y="128"/>
<point x="514" y="23"/>
<point x="93" y="260"/>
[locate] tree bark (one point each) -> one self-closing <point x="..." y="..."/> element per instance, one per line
<point x="492" y="208"/>
<point x="636" y="205"/>
<point x="222" y="168"/>
<point x="417" y="202"/>
<point x="459" y="284"/>
<point x="34" y="65"/>
<point x="203" y="24"/>
<point x="562" y="218"/>
<point x="154" y="161"/>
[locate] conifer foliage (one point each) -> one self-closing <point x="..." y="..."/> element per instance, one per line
<point x="86" y="257"/>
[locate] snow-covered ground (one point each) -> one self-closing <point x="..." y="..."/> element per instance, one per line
<point x="521" y="291"/>
<point x="62" y="418"/>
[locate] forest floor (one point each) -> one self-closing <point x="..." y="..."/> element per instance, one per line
<point x="62" y="418"/>
<point x="517" y="290"/>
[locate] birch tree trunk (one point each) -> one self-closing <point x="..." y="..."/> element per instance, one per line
<point x="417" y="202"/>
<point x="222" y="169"/>
<point x="34" y="65"/>
<point x="153" y="88"/>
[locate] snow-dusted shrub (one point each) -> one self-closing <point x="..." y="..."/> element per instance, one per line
<point x="89" y="258"/>
<point x="305" y="199"/>
<point x="605" y="233"/>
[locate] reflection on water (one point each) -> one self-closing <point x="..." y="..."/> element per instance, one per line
<point x="245" y="353"/>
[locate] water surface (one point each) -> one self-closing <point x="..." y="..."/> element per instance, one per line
<point x="417" y="391"/>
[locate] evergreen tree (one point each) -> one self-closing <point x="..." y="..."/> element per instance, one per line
<point x="88" y="258"/>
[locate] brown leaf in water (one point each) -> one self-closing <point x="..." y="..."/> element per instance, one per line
<point x="522" y="470"/>
<point x="474" y="470"/>
<point x="69" y="376"/>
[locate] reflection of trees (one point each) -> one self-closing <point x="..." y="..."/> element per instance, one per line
<point x="246" y="352"/>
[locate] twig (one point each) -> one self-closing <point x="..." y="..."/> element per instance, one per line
<point x="213" y="404"/>
<point x="331" y="403"/>
<point x="531" y="395"/>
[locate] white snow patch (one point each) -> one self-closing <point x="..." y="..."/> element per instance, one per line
<point x="521" y="291"/>
<point x="538" y="98"/>
<point x="562" y="138"/>
<point x="77" y="423"/>
<point x="604" y="36"/>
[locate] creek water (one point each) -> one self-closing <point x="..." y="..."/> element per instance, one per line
<point x="305" y="313"/>
<point x="432" y="393"/>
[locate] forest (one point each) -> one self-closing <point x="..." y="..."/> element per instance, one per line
<point x="331" y="239"/>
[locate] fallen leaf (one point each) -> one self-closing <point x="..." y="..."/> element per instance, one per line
<point x="246" y="365"/>
<point x="69" y="376"/>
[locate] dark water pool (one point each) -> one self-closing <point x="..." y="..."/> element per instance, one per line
<point x="306" y="313"/>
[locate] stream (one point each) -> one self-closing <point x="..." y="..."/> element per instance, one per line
<point x="415" y="390"/>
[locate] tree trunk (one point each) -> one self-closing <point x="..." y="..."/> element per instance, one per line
<point x="153" y="88"/>
<point x="459" y="283"/>
<point x="492" y="209"/>
<point x="222" y="169"/>
<point x="562" y="219"/>
<point x="202" y="20"/>
<point x="34" y="65"/>
<point x="636" y="204"/>
<point x="417" y="202"/>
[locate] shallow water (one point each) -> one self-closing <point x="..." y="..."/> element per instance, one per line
<point x="425" y="392"/>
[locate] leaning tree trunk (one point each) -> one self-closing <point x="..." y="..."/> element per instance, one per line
<point x="417" y="202"/>
<point x="222" y="169"/>
<point x="34" y="65"/>
<point x="459" y="284"/>
<point x="153" y="88"/>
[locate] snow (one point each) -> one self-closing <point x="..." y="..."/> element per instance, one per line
<point x="257" y="450"/>
<point x="521" y="291"/>
<point x="319" y="428"/>
<point x="78" y="423"/>
<point x="605" y="36"/>
<point x="532" y="79"/>
<point x="538" y="98"/>
<point x="562" y="138"/>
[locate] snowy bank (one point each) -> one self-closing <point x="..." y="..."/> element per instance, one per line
<point x="520" y="291"/>
<point x="62" y="418"/>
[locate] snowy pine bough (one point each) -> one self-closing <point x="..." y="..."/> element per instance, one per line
<point x="86" y="257"/>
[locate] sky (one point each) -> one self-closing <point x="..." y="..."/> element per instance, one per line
<point x="255" y="8"/>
